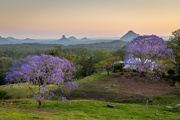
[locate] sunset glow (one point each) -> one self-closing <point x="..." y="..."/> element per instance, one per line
<point x="90" y="18"/>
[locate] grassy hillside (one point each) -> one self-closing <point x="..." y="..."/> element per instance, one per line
<point x="128" y="91"/>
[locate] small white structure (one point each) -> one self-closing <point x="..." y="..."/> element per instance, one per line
<point x="133" y="63"/>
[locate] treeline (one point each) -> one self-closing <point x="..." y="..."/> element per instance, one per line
<point x="83" y="59"/>
<point x="111" y="46"/>
<point x="16" y="51"/>
<point x="86" y="61"/>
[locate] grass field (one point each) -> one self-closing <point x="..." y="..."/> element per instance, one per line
<point x="90" y="100"/>
<point x="26" y="109"/>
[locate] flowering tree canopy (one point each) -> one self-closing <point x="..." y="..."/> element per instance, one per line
<point x="146" y="53"/>
<point x="39" y="71"/>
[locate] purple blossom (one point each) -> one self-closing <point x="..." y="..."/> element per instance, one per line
<point x="146" y="52"/>
<point x="11" y="86"/>
<point x="41" y="71"/>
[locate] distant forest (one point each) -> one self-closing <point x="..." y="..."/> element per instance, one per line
<point x="83" y="56"/>
<point x="16" y="51"/>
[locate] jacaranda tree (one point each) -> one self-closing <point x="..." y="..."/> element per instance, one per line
<point x="145" y="54"/>
<point x="40" y="71"/>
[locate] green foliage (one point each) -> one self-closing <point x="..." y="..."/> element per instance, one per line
<point x="100" y="55"/>
<point x="57" y="52"/>
<point x="118" y="67"/>
<point x="101" y="60"/>
<point x="5" y="64"/>
<point x="20" y="51"/>
<point x="174" y="44"/>
<point x="157" y="98"/>
<point x="3" y="94"/>
<point x="118" y="53"/>
<point x="106" y="64"/>
<point x="100" y="66"/>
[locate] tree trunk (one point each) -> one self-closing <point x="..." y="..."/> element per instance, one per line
<point x="108" y="72"/>
<point x="40" y="104"/>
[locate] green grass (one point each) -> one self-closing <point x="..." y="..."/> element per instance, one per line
<point x="24" y="92"/>
<point x="92" y="78"/>
<point x="19" y="91"/>
<point x="26" y="109"/>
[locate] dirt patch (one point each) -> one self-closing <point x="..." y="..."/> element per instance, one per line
<point x="136" y="85"/>
<point x="119" y="88"/>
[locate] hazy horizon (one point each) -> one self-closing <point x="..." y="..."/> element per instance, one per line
<point x="50" y="19"/>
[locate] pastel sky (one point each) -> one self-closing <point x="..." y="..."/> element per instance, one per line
<point x="90" y="18"/>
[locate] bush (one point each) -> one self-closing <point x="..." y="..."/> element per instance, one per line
<point x="118" y="67"/>
<point x="3" y="94"/>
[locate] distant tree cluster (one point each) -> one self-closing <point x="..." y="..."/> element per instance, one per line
<point x="84" y="59"/>
<point x="88" y="62"/>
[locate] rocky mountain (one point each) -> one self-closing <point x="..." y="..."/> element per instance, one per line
<point x="130" y="35"/>
<point x="63" y="38"/>
<point x="64" y="41"/>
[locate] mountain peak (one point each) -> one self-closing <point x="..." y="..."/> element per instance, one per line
<point x="84" y="38"/>
<point x="130" y="31"/>
<point x="130" y="35"/>
<point x="72" y="38"/>
<point x="63" y="38"/>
